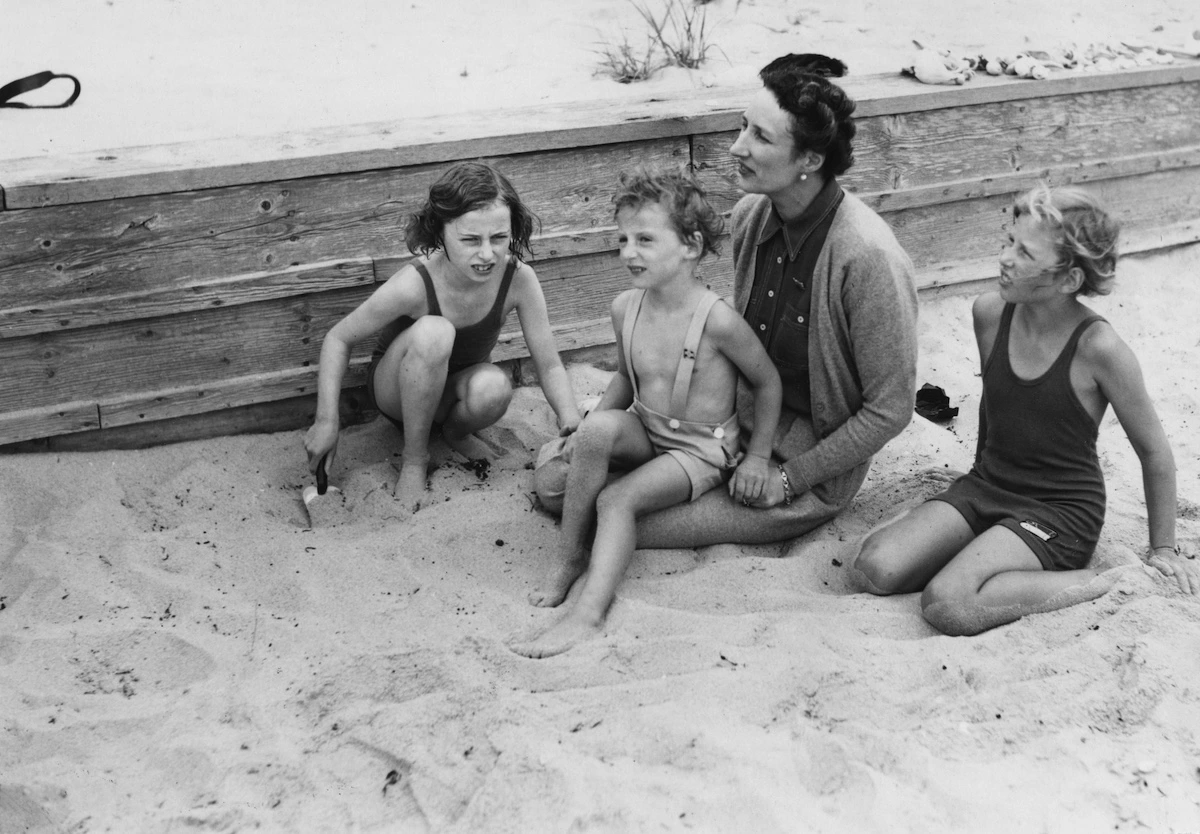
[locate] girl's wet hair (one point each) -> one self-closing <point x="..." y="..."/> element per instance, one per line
<point x="1085" y="235"/>
<point x="464" y="188"/>
<point x="821" y="111"/>
<point x="681" y="195"/>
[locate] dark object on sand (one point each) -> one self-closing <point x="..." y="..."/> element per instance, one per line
<point x="32" y="82"/>
<point x="325" y="504"/>
<point x="933" y="404"/>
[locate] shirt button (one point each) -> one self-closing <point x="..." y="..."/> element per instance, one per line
<point x="800" y="319"/>
<point x="779" y="260"/>
<point x="762" y="327"/>
<point x="770" y="293"/>
<point x="719" y="432"/>
<point x="674" y="424"/>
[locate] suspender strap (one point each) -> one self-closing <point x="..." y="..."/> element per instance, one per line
<point x="691" y="343"/>
<point x="32" y="82"/>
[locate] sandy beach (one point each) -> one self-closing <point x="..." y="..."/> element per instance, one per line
<point x="181" y="651"/>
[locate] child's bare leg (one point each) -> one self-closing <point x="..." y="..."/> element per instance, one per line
<point x="410" y="381"/>
<point x="659" y="483"/>
<point x="475" y="398"/>
<point x="602" y="438"/>
<point x="902" y="555"/>
<point x="997" y="579"/>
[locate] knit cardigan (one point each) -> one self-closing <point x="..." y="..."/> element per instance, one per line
<point x="862" y="347"/>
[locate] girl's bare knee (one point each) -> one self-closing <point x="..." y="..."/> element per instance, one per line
<point x="431" y="338"/>
<point x="488" y="391"/>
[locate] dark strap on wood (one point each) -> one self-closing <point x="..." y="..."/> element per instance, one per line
<point x="32" y="82"/>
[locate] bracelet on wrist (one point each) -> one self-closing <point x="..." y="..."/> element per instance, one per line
<point x="788" y="494"/>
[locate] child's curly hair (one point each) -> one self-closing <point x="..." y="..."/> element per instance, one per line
<point x="464" y="188"/>
<point x="681" y="195"/>
<point x="1085" y="235"/>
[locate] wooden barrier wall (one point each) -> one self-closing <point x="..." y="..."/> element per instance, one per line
<point x="184" y="289"/>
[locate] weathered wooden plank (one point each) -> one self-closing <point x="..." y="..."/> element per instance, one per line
<point x="73" y="312"/>
<point x="64" y="418"/>
<point x="928" y="148"/>
<point x="97" y="364"/>
<point x="274" y="416"/>
<point x="226" y="393"/>
<point x="136" y="245"/>
<point x="1073" y="174"/>
<point x="188" y="166"/>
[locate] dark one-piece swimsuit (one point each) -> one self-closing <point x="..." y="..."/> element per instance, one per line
<point x="472" y="344"/>
<point x="1036" y="470"/>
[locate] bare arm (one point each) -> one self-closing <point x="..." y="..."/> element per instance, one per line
<point x="734" y="338"/>
<point x="539" y="339"/>
<point x="1119" y="377"/>
<point x="985" y="314"/>
<point x="403" y="294"/>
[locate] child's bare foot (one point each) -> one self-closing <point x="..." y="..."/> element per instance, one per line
<point x="571" y="630"/>
<point x="468" y="445"/>
<point x="410" y="489"/>
<point x="554" y="589"/>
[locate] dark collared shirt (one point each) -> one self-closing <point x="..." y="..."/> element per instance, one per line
<point x="781" y="297"/>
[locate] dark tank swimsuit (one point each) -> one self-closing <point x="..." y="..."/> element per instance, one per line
<point x="1036" y="470"/>
<point x="472" y="344"/>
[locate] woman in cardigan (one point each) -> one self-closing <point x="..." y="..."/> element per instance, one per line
<point x="828" y="290"/>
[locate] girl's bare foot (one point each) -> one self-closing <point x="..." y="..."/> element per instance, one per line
<point x="410" y="486"/>
<point x="568" y="632"/>
<point x="554" y="589"/>
<point x="468" y="445"/>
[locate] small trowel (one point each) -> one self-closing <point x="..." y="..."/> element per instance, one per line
<point x="326" y="505"/>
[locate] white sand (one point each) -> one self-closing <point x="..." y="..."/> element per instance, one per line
<point x="179" y="652"/>
<point x="156" y="71"/>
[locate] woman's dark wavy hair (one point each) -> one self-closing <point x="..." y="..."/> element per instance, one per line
<point x="681" y="194"/>
<point x="821" y="111"/>
<point x="463" y="188"/>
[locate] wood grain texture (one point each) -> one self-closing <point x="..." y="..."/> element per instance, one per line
<point x="42" y="181"/>
<point x="165" y="244"/>
<point x="61" y="418"/>
<point x="194" y="350"/>
<point x="223" y="394"/>
<point x="74" y="311"/>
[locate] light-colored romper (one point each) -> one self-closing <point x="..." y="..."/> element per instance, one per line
<point x="706" y="451"/>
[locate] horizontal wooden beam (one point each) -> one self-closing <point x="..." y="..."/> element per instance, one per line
<point x="83" y="177"/>
<point x="62" y="418"/>
<point x="194" y="295"/>
<point x="1015" y="183"/>
<point x="227" y="393"/>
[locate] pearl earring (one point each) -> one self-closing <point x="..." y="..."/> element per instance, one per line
<point x="803" y="177"/>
